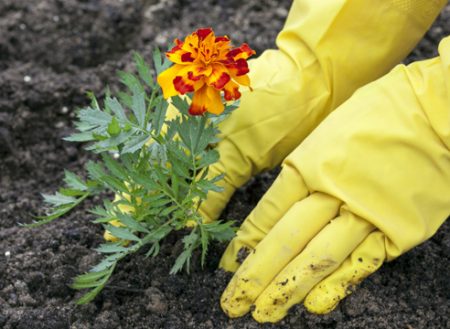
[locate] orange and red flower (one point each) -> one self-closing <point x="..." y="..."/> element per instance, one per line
<point x="206" y="65"/>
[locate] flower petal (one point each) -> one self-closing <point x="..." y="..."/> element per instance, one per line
<point x="223" y="38"/>
<point x="218" y="77"/>
<point x="203" y="33"/>
<point x="206" y="99"/>
<point x="198" y="71"/>
<point x="165" y="80"/>
<point x="231" y="91"/>
<point x="236" y="68"/>
<point x="184" y="83"/>
<point x="243" y="80"/>
<point x="242" y="52"/>
<point x="198" y="105"/>
<point x="215" y="104"/>
<point x="180" y="56"/>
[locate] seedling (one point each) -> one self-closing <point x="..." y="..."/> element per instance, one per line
<point x="155" y="163"/>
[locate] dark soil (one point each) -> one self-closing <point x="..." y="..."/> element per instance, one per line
<point x="51" y="53"/>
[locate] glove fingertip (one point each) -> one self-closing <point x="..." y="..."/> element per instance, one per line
<point x="322" y="301"/>
<point x="228" y="264"/>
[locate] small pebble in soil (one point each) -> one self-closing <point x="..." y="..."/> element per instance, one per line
<point x="156" y="303"/>
<point x="64" y="110"/>
<point x="27" y="78"/>
<point x="8" y="253"/>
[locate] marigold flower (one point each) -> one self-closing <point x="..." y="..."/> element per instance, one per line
<point x="205" y="65"/>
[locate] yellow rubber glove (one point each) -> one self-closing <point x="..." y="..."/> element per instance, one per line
<point x="371" y="182"/>
<point x="327" y="49"/>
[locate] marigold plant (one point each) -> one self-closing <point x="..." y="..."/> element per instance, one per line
<point x="155" y="166"/>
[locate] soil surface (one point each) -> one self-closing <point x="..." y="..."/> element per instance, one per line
<point x="51" y="53"/>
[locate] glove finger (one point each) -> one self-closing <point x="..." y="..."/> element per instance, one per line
<point x="365" y="260"/>
<point x="320" y="258"/>
<point x="284" y="242"/>
<point x="287" y="189"/>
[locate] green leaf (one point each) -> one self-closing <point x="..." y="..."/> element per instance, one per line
<point x="181" y="162"/>
<point x="111" y="248"/>
<point x="208" y="185"/>
<point x="117" y="185"/>
<point x="115" y="167"/>
<point x="41" y="220"/>
<point x="175" y="185"/>
<point x="108" y="262"/>
<point x="181" y="170"/>
<point x="58" y="199"/>
<point x="139" y="108"/>
<point x="132" y="82"/>
<point x="166" y="212"/>
<point x="80" y="137"/>
<point x="116" y="108"/>
<point x="86" y="285"/>
<point x="186" y="135"/>
<point x="157" y="234"/>
<point x="190" y="243"/>
<point x="143" y="180"/>
<point x="158" y="153"/>
<point x="122" y="233"/>
<point x="57" y="212"/>
<point x="105" y="219"/>
<point x="88" y="297"/>
<point x="71" y="192"/>
<point x="220" y="231"/>
<point x="111" y="143"/>
<point x="94" y="118"/>
<point x="180" y="262"/>
<point x="144" y="70"/>
<point x="208" y="158"/>
<point x="159" y="116"/>
<point x="131" y="223"/>
<point x="113" y="127"/>
<point x="91" y="276"/>
<point x="204" y="239"/>
<point x="94" y="103"/>
<point x="73" y="181"/>
<point x="134" y="144"/>
<point x="125" y="99"/>
<point x="154" y="250"/>
<point x="161" y="202"/>
<point x="206" y="138"/>
<point x="181" y="104"/>
<point x="99" y="211"/>
<point x="95" y="170"/>
<point x="161" y="64"/>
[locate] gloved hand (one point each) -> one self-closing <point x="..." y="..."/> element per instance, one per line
<point x="371" y="182"/>
<point x="327" y="49"/>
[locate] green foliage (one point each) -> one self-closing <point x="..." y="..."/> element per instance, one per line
<point x="156" y="167"/>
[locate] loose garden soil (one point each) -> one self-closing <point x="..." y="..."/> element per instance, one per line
<point x="51" y="53"/>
